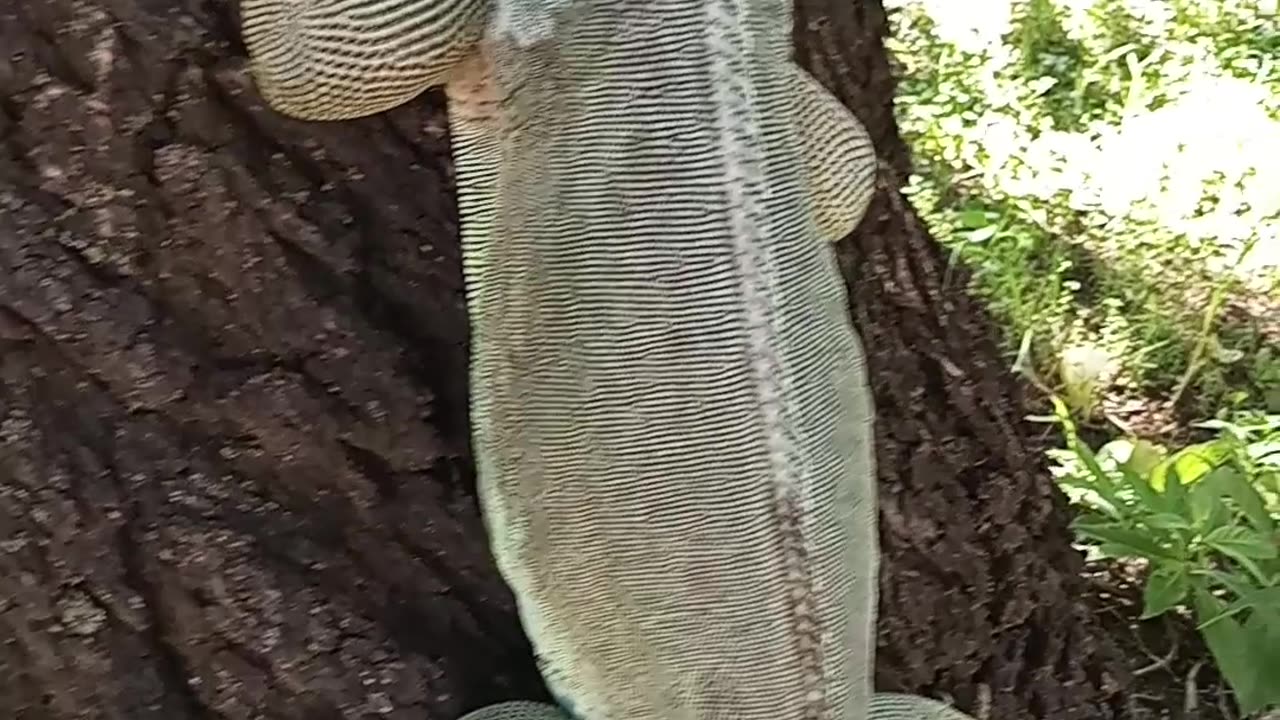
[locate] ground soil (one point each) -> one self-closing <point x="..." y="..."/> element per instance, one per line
<point x="1174" y="677"/>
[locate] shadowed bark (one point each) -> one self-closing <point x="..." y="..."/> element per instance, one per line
<point x="234" y="467"/>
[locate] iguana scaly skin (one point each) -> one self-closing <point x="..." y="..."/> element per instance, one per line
<point x="670" y="412"/>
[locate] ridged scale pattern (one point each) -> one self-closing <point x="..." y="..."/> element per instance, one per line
<point x="884" y="706"/>
<point x="839" y="158"/>
<point x="672" y="427"/>
<point x="339" y="59"/>
<point x="674" y="445"/>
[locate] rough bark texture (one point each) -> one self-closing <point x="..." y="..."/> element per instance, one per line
<point x="234" y="469"/>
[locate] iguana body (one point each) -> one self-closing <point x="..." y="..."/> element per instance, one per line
<point x="671" y="419"/>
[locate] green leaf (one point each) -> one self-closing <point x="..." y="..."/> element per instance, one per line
<point x="1134" y="543"/>
<point x="974" y="218"/>
<point x="1025" y="366"/>
<point x="1238" y="583"/>
<point x="1264" y="631"/>
<point x="983" y="234"/>
<point x="1128" y="459"/>
<point x="1145" y="457"/>
<point x="1166" y="521"/>
<point x="1220" y="425"/>
<point x="1207" y="508"/>
<point x="1232" y="482"/>
<point x="1232" y="650"/>
<point x="1266" y="453"/>
<point x="1104" y="484"/>
<point x="1270" y="480"/>
<point x="1241" y="542"/>
<point x="1166" y="587"/>
<point x="1175" y="492"/>
<point x="1118" y="552"/>
<point x="1265" y="602"/>
<point x="1192" y="463"/>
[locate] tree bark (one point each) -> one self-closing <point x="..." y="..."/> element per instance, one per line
<point x="235" y="479"/>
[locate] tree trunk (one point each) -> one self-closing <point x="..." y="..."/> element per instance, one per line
<point x="234" y="467"/>
<point x="980" y="588"/>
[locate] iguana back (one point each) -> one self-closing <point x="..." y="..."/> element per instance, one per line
<point x="673" y="440"/>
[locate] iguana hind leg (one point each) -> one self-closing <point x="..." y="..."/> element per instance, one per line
<point x="839" y="158"/>
<point x="341" y="59"/>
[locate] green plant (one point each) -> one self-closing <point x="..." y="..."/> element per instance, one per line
<point x="1059" y="156"/>
<point x="1205" y="520"/>
<point x="1197" y="356"/>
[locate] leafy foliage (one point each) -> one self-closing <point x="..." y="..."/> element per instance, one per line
<point x="1104" y="167"/>
<point x="1206" y="519"/>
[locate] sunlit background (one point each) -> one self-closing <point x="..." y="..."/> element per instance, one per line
<point x="1110" y="170"/>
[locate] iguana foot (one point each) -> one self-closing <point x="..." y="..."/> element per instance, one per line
<point x="884" y="706"/>
<point x="899" y="706"/>
<point x="518" y="710"/>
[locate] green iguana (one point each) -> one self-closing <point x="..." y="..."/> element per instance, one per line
<point x="671" y="418"/>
